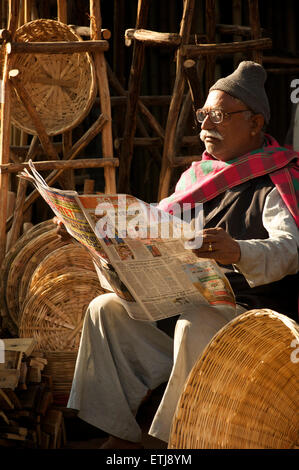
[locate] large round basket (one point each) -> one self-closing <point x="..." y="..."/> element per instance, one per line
<point x="62" y="87"/>
<point x="31" y="234"/>
<point x="243" y="392"/>
<point x="54" y="313"/>
<point x="72" y="257"/>
<point x="31" y="254"/>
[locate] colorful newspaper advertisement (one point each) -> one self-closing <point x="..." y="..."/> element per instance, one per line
<point x="140" y="252"/>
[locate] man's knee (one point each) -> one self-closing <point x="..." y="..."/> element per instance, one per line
<point x="194" y="330"/>
<point x="105" y="305"/>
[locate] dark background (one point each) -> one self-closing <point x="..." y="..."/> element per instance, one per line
<point x="278" y="18"/>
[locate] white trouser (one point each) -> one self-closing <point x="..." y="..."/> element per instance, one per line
<point x="120" y="359"/>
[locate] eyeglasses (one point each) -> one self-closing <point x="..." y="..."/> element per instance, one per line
<point x="215" y="115"/>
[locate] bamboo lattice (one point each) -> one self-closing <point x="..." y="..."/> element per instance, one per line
<point x="243" y="392"/>
<point x="61" y="86"/>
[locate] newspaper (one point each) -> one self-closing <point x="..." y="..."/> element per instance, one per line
<point x="139" y="252"/>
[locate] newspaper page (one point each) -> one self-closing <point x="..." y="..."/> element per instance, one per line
<point x="140" y="253"/>
<point x="165" y="277"/>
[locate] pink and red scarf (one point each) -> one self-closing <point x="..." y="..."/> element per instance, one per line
<point x="207" y="178"/>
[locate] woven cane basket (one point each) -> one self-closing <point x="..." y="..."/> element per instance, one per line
<point x="65" y="259"/>
<point x="54" y="313"/>
<point x="61" y="366"/>
<point x="61" y="86"/>
<point x="243" y="392"/>
<point x="31" y="254"/>
<point x="7" y="264"/>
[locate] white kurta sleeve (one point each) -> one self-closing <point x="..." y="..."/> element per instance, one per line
<point x="265" y="261"/>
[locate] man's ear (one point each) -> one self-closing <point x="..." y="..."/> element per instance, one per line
<point x="257" y="123"/>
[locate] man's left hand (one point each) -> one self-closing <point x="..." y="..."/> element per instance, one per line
<point x="217" y="244"/>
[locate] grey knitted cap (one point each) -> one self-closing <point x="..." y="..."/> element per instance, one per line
<point x="247" y="84"/>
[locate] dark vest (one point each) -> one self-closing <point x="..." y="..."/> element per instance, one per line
<point x="239" y="212"/>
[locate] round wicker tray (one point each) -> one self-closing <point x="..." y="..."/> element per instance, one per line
<point x="54" y="314"/>
<point x="32" y="252"/>
<point x="243" y="392"/>
<point x="42" y="251"/>
<point x="61" y="86"/>
<point x="61" y="261"/>
<point x="6" y="266"/>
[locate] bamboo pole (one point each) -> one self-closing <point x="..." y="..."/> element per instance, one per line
<point x="21" y="194"/>
<point x="193" y="74"/>
<point x="59" y="47"/>
<point x="103" y="86"/>
<point x="75" y="150"/>
<point x="62" y="11"/>
<point x="192" y="51"/>
<point x="254" y="21"/>
<point x="27" y="10"/>
<point x="211" y="31"/>
<point x="237" y="19"/>
<point x="5" y="126"/>
<point x="152" y="38"/>
<point x="67" y="179"/>
<point x="60" y="164"/>
<point x="21" y="14"/>
<point x="178" y="90"/>
<point x="127" y="148"/>
<point x="85" y="31"/>
<point x="88" y="186"/>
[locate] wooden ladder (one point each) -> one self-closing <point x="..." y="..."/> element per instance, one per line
<point x="192" y="59"/>
<point x="103" y="124"/>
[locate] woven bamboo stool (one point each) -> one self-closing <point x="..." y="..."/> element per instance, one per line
<point x="243" y="392"/>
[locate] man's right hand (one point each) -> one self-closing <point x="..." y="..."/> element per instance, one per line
<point x="61" y="230"/>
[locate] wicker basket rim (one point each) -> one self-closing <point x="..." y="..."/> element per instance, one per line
<point x="225" y="401"/>
<point x="84" y="108"/>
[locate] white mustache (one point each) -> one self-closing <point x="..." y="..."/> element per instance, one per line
<point x="212" y="133"/>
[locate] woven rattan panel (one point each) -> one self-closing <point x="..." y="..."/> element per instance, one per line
<point x="243" y="392"/>
<point x="61" y="86"/>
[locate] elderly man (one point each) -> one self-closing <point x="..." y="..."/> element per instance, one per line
<point x="248" y="185"/>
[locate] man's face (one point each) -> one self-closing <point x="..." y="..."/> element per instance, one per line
<point x="232" y="137"/>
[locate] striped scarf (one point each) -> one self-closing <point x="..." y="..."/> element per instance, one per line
<point x="207" y="178"/>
